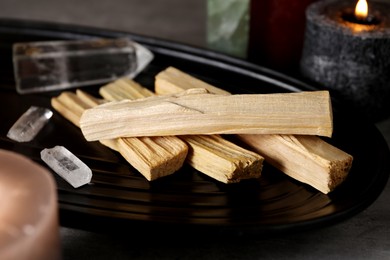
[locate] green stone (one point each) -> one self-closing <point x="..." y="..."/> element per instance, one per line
<point x="228" y="26"/>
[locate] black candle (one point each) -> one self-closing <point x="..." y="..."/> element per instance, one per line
<point x="350" y="55"/>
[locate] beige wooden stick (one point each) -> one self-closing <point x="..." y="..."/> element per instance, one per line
<point x="89" y="99"/>
<point x="174" y="81"/>
<point x="70" y="99"/>
<point x="191" y="114"/>
<point x="222" y="159"/>
<point x="308" y="159"/>
<point x="209" y="154"/>
<point x="152" y="157"/>
<point x="124" y="88"/>
<point x="63" y="108"/>
<point x="156" y="156"/>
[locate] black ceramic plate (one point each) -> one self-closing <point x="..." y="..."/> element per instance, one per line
<point x="120" y="198"/>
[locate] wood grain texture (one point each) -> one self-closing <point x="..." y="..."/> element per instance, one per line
<point x="193" y="113"/>
<point x="153" y="157"/>
<point x="308" y="159"/>
<point x="210" y="154"/>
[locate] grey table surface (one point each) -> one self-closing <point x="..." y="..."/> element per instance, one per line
<point x="364" y="236"/>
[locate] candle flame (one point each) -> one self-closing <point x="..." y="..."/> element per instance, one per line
<point x="361" y="10"/>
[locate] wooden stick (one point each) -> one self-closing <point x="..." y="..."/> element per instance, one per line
<point x="62" y="107"/>
<point x="308" y="159"/>
<point x="174" y="81"/>
<point x="222" y="159"/>
<point x="191" y="114"/>
<point x="89" y="99"/>
<point x="211" y="154"/>
<point x="152" y="157"/>
<point x="124" y="88"/>
<point x="157" y="156"/>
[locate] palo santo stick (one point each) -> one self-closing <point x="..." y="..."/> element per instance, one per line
<point x="69" y="106"/>
<point x="89" y="99"/>
<point x="92" y="102"/>
<point x="174" y="81"/>
<point x="296" y="156"/>
<point x="193" y="113"/>
<point x="209" y="154"/>
<point x="124" y="88"/>
<point x="152" y="157"/>
<point x="221" y="159"/>
<point x="158" y="156"/>
<point x="72" y="106"/>
<point x="310" y="160"/>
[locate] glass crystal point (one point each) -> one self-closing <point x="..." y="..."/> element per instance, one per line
<point x="56" y="65"/>
<point x="29" y="124"/>
<point x="67" y="165"/>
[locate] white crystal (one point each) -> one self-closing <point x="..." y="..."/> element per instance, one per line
<point x="67" y="165"/>
<point x="29" y="124"/>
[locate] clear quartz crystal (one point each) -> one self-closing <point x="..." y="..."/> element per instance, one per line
<point x="144" y="57"/>
<point x="67" y="165"/>
<point x="57" y="65"/>
<point x="29" y="124"/>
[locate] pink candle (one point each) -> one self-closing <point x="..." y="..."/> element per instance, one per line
<point x="28" y="210"/>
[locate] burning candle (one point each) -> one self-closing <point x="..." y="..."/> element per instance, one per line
<point x="28" y="210"/>
<point x="360" y="15"/>
<point x="347" y="50"/>
<point x="361" y="10"/>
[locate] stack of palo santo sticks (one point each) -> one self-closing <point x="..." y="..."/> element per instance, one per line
<point x="184" y="121"/>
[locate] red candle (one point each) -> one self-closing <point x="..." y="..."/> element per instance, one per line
<point x="276" y="33"/>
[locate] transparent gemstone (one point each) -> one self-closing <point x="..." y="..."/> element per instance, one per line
<point x="144" y="57"/>
<point x="29" y="124"/>
<point x="67" y="165"/>
<point x="57" y="65"/>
